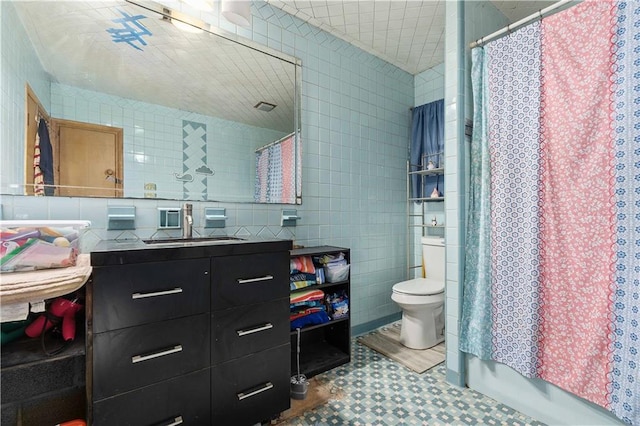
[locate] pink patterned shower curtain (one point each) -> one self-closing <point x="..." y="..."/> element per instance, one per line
<point x="564" y="139"/>
<point x="278" y="171"/>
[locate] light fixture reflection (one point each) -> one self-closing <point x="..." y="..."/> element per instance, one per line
<point x="181" y="24"/>
<point x="185" y="27"/>
<point x="204" y="5"/>
<point x="237" y="12"/>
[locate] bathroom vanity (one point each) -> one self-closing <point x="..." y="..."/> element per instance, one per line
<point x="193" y="333"/>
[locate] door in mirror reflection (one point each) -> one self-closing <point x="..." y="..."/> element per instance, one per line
<point x="90" y="159"/>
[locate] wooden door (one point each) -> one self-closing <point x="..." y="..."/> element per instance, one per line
<point x="89" y="160"/>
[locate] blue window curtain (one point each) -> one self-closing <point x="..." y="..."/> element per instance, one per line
<point x="427" y="144"/>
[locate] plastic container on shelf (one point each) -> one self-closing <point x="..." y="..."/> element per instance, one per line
<point x="336" y="273"/>
<point x="27" y="245"/>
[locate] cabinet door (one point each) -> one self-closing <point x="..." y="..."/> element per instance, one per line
<point x="127" y="295"/>
<point x="132" y="357"/>
<point x="248" y="329"/>
<point x="251" y="389"/>
<point x="249" y="279"/>
<point x="184" y="399"/>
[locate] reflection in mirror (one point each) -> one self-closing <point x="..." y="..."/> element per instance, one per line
<point x="135" y="107"/>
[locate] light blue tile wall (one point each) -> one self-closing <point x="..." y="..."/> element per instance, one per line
<point x="455" y="197"/>
<point x="429" y="85"/>
<point x="19" y="62"/>
<point x="355" y="135"/>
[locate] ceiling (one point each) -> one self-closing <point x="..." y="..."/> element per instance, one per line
<point x="406" y="33"/>
<point x="196" y="72"/>
<point x="71" y="42"/>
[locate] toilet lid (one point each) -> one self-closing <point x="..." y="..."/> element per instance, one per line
<point x="419" y="287"/>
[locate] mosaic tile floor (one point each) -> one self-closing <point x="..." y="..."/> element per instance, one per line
<point x="374" y="390"/>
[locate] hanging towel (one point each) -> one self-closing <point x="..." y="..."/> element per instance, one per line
<point x="38" y="178"/>
<point x="46" y="157"/>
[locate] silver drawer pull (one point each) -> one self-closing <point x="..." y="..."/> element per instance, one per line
<point x="266" y="387"/>
<point x="253" y="280"/>
<point x="156" y="293"/>
<point x="177" y="421"/>
<point x="140" y="358"/>
<point x="244" y="332"/>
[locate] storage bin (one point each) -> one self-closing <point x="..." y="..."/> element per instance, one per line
<point x="336" y="273"/>
<point x="32" y="245"/>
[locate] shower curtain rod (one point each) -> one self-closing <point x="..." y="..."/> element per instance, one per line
<point x="511" y="27"/>
<point x="262" y="148"/>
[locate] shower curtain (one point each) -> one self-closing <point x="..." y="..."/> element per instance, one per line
<point x="555" y="200"/>
<point x="278" y="178"/>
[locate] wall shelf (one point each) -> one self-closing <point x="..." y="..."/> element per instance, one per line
<point x="328" y="345"/>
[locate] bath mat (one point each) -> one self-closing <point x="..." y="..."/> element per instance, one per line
<point x="318" y="394"/>
<point x="386" y="340"/>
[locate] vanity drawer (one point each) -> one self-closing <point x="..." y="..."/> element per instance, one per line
<point x="248" y="279"/>
<point x="127" y="295"/>
<point x="247" y="329"/>
<point x="138" y="356"/>
<point x="251" y="389"/>
<point x="185" y="398"/>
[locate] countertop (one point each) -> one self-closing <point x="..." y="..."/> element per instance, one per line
<point x="112" y="252"/>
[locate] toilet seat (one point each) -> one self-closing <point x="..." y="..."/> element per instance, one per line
<point x="419" y="287"/>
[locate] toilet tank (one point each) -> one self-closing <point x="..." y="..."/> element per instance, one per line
<point x="433" y="257"/>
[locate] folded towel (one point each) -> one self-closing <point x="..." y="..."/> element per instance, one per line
<point x="306" y="296"/>
<point x="45" y="284"/>
<point x="315" y="318"/>
<point x="294" y="285"/>
<point x="309" y="304"/>
<point x="302" y="264"/>
<point x="301" y="312"/>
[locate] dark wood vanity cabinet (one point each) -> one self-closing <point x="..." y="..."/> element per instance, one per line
<point x="250" y="372"/>
<point x="201" y="341"/>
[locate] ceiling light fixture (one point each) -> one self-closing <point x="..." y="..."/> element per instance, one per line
<point x="264" y="106"/>
<point x="237" y="12"/>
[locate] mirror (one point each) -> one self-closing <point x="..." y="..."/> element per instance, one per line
<point x="191" y="106"/>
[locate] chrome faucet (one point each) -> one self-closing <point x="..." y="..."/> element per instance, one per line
<point x="187" y="220"/>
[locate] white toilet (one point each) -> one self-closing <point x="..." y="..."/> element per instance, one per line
<point x="422" y="299"/>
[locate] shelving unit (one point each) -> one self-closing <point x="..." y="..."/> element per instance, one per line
<point x="323" y="346"/>
<point x="420" y="212"/>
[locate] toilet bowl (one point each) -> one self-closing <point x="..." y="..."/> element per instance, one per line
<point x="422" y="300"/>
